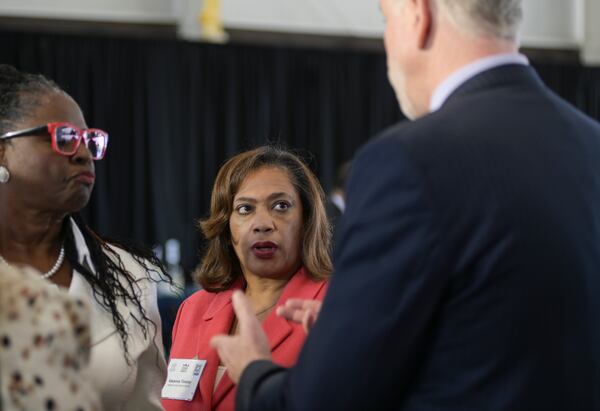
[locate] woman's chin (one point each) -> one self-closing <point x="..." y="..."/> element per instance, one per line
<point x="78" y="202"/>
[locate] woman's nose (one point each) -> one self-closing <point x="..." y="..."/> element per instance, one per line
<point x="82" y="155"/>
<point x="263" y="222"/>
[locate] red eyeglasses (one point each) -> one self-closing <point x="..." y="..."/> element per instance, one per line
<point x="66" y="138"/>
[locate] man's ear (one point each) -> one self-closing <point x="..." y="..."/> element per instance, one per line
<point x="423" y="22"/>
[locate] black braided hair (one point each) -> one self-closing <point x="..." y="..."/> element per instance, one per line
<point x="113" y="281"/>
<point x="20" y="95"/>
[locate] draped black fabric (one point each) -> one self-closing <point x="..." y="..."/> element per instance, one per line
<point x="176" y="111"/>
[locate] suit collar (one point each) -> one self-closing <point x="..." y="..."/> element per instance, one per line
<point x="506" y="76"/>
<point x="462" y="75"/>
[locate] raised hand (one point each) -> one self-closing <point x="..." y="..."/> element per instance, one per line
<point x="301" y="311"/>
<point x="250" y="344"/>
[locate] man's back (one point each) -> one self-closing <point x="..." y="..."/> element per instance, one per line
<point x="512" y="174"/>
<point x="467" y="267"/>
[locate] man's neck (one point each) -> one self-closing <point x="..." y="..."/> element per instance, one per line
<point x="454" y="49"/>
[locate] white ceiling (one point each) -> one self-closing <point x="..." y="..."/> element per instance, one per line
<point x="548" y="23"/>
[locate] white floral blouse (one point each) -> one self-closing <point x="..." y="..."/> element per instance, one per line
<point x="44" y="346"/>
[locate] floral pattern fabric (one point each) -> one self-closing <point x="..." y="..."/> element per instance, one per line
<point x="44" y="346"/>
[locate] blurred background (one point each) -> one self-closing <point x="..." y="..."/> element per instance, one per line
<point x="181" y="85"/>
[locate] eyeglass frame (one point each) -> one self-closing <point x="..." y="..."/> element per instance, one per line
<point x="51" y="128"/>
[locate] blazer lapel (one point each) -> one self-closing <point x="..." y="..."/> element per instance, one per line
<point x="218" y="319"/>
<point x="300" y="286"/>
<point x="225" y="385"/>
<point x="277" y="328"/>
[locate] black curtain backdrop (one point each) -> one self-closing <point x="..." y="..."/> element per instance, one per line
<point x="176" y="111"/>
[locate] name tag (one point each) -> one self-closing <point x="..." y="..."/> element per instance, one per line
<point x="182" y="380"/>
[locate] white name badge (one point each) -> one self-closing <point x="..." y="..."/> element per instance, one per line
<point x="182" y="380"/>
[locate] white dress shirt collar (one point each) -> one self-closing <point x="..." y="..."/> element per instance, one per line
<point x="339" y="202"/>
<point x="459" y="77"/>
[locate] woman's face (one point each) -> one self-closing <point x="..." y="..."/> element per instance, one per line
<point x="266" y="224"/>
<point x="40" y="178"/>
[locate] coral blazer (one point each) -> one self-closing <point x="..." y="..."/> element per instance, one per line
<point x="204" y="315"/>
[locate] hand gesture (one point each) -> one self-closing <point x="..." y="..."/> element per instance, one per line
<point x="250" y="344"/>
<point x="301" y="311"/>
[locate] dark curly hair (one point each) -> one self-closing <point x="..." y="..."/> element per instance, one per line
<point x="20" y="94"/>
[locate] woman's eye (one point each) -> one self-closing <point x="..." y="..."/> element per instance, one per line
<point x="281" y="206"/>
<point x="243" y="209"/>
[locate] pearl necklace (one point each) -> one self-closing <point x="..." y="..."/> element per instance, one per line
<point x="55" y="267"/>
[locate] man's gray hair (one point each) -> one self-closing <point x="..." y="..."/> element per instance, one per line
<point x="496" y="18"/>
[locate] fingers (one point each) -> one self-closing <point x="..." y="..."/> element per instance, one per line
<point x="243" y="311"/>
<point x="251" y="344"/>
<point x="227" y="346"/>
<point x="241" y="305"/>
<point x="304" y="312"/>
<point x="308" y="320"/>
<point x="218" y="342"/>
<point x="296" y="302"/>
<point x="290" y="314"/>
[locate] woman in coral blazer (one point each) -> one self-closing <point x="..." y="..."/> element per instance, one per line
<point x="268" y="235"/>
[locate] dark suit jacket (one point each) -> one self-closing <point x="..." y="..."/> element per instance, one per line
<point x="468" y="265"/>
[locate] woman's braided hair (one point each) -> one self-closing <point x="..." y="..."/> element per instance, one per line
<point x="20" y="94"/>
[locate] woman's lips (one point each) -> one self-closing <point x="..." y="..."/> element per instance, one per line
<point x="264" y="249"/>
<point x="86" y="177"/>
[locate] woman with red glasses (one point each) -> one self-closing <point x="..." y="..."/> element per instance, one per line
<point x="47" y="155"/>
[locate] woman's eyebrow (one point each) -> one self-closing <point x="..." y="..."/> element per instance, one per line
<point x="245" y="200"/>
<point x="271" y="196"/>
<point x="278" y="195"/>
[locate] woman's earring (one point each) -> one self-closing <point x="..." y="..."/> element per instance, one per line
<point x="4" y="175"/>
